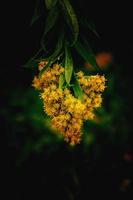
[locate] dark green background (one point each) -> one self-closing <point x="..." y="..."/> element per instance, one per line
<point x="46" y="167"/>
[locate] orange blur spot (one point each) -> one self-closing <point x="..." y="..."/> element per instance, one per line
<point x="127" y="157"/>
<point x="103" y="59"/>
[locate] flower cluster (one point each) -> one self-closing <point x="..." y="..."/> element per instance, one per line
<point x="68" y="112"/>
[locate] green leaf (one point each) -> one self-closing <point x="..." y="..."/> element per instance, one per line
<point x="56" y="55"/>
<point x="78" y="92"/>
<point x="90" y="26"/>
<point x="31" y="63"/>
<point x="36" y="14"/>
<point x="50" y="3"/>
<point x="51" y="19"/>
<point x="68" y="65"/>
<point x="49" y="23"/>
<point x="34" y="19"/>
<point x="61" y="81"/>
<point x="50" y="62"/>
<point x="86" y="53"/>
<point x="71" y="18"/>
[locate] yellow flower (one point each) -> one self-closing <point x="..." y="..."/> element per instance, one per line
<point x="56" y="67"/>
<point x="80" y="74"/>
<point x="66" y="91"/>
<point x="42" y="64"/>
<point x="89" y="115"/>
<point x="68" y="113"/>
<point x="36" y="83"/>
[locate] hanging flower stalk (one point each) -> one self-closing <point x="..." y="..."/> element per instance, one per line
<point x="69" y="98"/>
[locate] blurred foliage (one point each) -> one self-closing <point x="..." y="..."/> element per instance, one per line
<point x="45" y="162"/>
<point x="30" y="129"/>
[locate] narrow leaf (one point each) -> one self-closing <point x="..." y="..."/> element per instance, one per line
<point x="31" y="63"/>
<point x="37" y="13"/>
<point x="92" y="27"/>
<point x="61" y="81"/>
<point x="71" y="18"/>
<point x="78" y="92"/>
<point x="51" y="20"/>
<point x="89" y="25"/>
<point x="49" y="24"/>
<point x="34" y="19"/>
<point x="50" y="3"/>
<point x="56" y="55"/>
<point x="87" y="54"/>
<point x="46" y="67"/>
<point x="68" y="65"/>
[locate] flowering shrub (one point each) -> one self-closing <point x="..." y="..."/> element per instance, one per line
<point x="66" y="110"/>
<point x="69" y="98"/>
